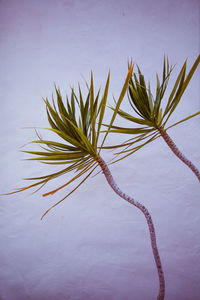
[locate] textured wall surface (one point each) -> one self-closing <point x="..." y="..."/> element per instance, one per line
<point x="95" y="246"/>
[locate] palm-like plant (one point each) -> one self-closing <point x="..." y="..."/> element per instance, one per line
<point x="152" y="117"/>
<point x="78" y="125"/>
<point x="79" y="149"/>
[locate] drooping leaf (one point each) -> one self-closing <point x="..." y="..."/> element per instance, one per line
<point x="69" y="193"/>
<point x="71" y="180"/>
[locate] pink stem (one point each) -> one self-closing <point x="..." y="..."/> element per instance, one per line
<point x="113" y="185"/>
<point x="178" y="153"/>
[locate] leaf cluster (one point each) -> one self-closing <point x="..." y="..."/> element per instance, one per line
<point x="78" y="123"/>
<point x="151" y="114"/>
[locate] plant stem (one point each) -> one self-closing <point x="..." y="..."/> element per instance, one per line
<point x="147" y="215"/>
<point x="178" y="153"/>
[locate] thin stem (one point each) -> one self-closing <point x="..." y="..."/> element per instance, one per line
<point x="178" y="153"/>
<point x="147" y="215"/>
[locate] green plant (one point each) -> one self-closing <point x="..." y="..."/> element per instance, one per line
<point x="78" y="124"/>
<point x="152" y="117"/>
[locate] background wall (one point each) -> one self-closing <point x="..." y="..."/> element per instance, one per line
<point x="95" y="245"/>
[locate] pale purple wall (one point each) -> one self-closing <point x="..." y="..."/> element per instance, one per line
<point x="95" y="246"/>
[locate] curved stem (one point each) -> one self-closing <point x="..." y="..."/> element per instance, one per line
<point x="147" y="215"/>
<point x="178" y="153"/>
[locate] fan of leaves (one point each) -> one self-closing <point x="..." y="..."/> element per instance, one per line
<point x="78" y="123"/>
<point x="151" y="115"/>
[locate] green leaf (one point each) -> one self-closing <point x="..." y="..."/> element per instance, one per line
<point x="143" y="89"/>
<point x="61" y="162"/>
<point x="158" y="99"/>
<point x="84" y="139"/>
<point x="133" y="150"/>
<point x="183" y="120"/>
<point x="177" y="98"/>
<point x="176" y="89"/>
<point x="86" y="168"/>
<point x="132" y="99"/>
<point x="51" y="122"/>
<point x="173" y="102"/>
<point x="70" y="192"/>
<point x="25" y="188"/>
<point x="190" y="74"/>
<point x="103" y="105"/>
<point x="150" y="99"/>
<point x="61" y="106"/>
<point x="86" y="114"/>
<point x="73" y="104"/>
<point x="55" y="157"/>
<point x="59" y="123"/>
<point x="55" y="144"/>
<point x="133" y="119"/>
<point x="65" y="155"/>
<point x="122" y="94"/>
<point x="129" y="130"/>
<point x="164" y="70"/>
<point x="81" y="103"/>
<point x="66" y="137"/>
<point x="140" y="102"/>
<point x="132" y="141"/>
<point x="56" y="174"/>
